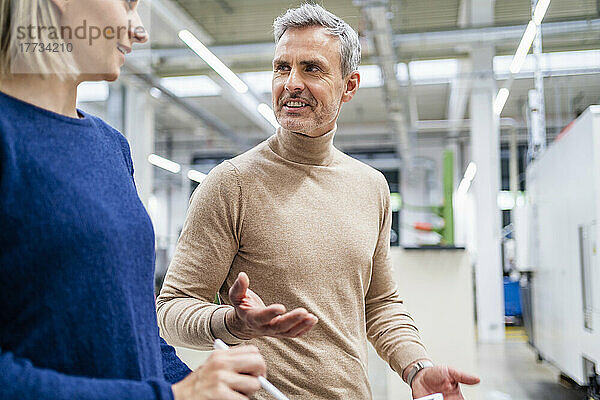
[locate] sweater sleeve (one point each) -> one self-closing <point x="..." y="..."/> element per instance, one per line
<point x="20" y="379"/>
<point x="390" y="328"/>
<point x="174" y="369"/>
<point x="205" y="250"/>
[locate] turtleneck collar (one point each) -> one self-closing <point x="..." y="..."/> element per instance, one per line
<point x="303" y="149"/>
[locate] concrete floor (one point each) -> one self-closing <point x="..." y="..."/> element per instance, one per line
<point x="510" y="371"/>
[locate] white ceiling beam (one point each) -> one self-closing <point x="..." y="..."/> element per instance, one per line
<point x="404" y="43"/>
<point x="488" y="35"/>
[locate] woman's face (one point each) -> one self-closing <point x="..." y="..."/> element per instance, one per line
<point x="102" y="33"/>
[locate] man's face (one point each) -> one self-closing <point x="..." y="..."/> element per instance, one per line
<point x="308" y="86"/>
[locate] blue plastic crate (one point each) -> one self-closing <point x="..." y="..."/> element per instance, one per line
<point x="512" y="298"/>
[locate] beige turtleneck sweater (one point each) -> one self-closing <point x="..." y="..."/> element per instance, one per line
<point x="310" y="226"/>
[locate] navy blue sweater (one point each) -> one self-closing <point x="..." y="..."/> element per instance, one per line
<point x="77" y="311"/>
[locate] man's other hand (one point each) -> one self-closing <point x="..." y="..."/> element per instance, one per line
<point x="250" y="318"/>
<point x="441" y="379"/>
<point x="226" y="375"/>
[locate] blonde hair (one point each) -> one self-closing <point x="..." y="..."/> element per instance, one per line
<point x="38" y="13"/>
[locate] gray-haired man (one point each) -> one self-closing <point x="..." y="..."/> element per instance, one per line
<point x="311" y="226"/>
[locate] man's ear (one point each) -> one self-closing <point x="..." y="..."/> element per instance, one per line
<point x="60" y="4"/>
<point x="352" y="83"/>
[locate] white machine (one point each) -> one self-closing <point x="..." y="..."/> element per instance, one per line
<point x="563" y="187"/>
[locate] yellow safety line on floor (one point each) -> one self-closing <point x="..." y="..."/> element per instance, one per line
<point x="516" y="333"/>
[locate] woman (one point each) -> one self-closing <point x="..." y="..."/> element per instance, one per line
<point x="77" y="316"/>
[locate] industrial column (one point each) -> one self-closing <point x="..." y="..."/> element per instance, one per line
<point x="138" y="127"/>
<point x="485" y="151"/>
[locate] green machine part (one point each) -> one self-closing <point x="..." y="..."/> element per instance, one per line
<point x="447" y="207"/>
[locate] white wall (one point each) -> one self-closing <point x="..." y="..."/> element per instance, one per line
<point x="437" y="286"/>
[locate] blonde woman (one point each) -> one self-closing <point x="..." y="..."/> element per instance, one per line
<point x="77" y="316"/>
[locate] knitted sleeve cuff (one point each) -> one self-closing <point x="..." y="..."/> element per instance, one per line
<point x="219" y="328"/>
<point x="406" y="355"/>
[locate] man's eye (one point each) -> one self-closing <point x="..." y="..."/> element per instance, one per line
<point x="281" y="68"/>
<point x="312" y="68"/>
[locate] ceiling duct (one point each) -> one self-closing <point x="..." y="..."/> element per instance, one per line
<point x="379" y="32"/>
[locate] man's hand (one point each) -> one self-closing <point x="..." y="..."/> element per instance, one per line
<point x="226" y="375"/>
<point x="250" y="318"/>
<point x="441" y="379"/>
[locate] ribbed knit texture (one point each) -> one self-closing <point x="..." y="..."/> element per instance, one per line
<point x="310" y="226"/>
<point x="77" y="311"/>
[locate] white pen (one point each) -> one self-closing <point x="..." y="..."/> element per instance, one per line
<point x="264" y="383"/>
<point x="436" y="396"/>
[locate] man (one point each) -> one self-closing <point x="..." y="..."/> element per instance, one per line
<point x="311" y="227"/>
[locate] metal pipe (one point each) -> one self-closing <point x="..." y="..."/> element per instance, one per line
<point x="447" y="207"/>
<point x="459" y="37"/>
<point x="538" y="131"/>
<point x="438" y="124"/>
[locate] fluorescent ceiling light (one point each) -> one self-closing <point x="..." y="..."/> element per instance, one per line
<point x="212" y="60"/>
<point x="502" y="65"/>
<point x="163" y="163"/>
<point x="506" y="200"/>
<point x="540" y="11"/>
<point x="465" y="183"/>
<point x="470" y="171"/>
<point x="268" y="113"/>
<point x="464" y="187"/>
<point x="92" y="91"/>
<point x="523" y="48"/>
<point x="196" y="176"/>
<point x="402" y="72"/>
<point x="191" y="86"/>
<point x="433" y="71"/>
<point x="370" y="76"/>
<point x="155" y="92"/>
<point x="500" y="101"/>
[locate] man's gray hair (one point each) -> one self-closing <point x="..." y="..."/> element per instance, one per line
<point x="314" y="15"/>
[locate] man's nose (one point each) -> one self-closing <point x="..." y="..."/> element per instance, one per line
<point x="294" y="82"/>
